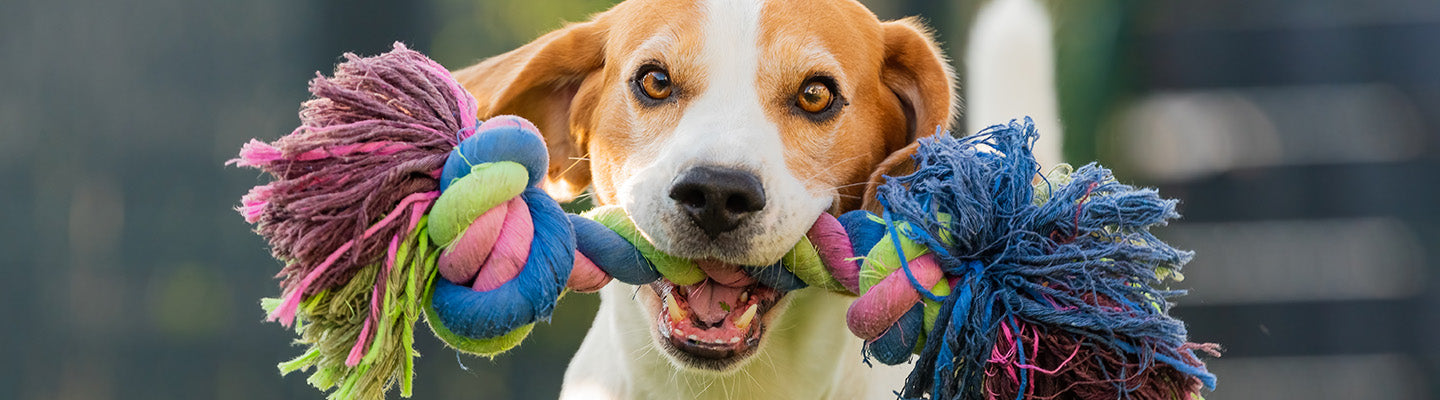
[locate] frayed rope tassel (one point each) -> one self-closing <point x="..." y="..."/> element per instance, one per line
<point x="1052" y="285"/>
<point x="346" y="212"/>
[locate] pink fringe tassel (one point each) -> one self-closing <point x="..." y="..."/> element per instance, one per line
<point x="286" y="312"/>
<point x="257" y="153"/>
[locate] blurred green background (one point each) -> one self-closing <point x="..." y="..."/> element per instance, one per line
<point x="1300" y="134"/>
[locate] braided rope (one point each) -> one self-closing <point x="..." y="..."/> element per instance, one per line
<point x="487" y="221"/>
<point x="382" y="216"/>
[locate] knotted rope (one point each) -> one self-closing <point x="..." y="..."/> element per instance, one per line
<point x="392" y="199"/>
<point x="508" y="251"/>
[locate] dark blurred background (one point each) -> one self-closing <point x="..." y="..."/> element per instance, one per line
<point x="1301" y="136"/>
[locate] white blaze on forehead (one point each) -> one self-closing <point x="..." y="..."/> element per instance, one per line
<point x="731" y="34"/>
<point x="729" y="113"/>
<point x="726" y="125"/>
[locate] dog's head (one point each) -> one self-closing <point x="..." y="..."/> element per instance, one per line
<point x="724" y="127"/>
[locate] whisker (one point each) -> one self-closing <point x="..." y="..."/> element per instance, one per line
<point x="753" y="380"/>
<point x="577" y="162"/>
<point x="706" y="388"/>
<point x="850" y="185"/>
<point x="833" y="165"/>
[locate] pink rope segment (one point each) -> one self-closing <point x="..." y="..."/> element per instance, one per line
<point x="461" y="262"/>
<point x="586" y="277"/>
<point x="833" y="244"/>
<point x="511" y="250"/>
<point x="876" y="310"/>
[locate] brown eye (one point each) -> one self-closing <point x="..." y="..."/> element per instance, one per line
<point x="656" y="84"/>
<point x="815" y="97"/>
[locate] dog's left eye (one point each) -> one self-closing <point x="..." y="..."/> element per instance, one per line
<point x="818" y="99"/>
<point x="815" y="97"/>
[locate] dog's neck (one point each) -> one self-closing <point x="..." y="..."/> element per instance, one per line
<point x="809" y="354"/>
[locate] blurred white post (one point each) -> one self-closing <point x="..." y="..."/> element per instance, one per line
<point x="1010" y="72"/>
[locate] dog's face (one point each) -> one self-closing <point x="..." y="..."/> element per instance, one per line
<point x="724" y="127"/>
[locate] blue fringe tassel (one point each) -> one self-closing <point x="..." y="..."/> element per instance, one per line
<point x="1033" y="262"/>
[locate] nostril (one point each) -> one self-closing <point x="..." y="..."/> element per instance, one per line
<point x="688" y="195"/>
<point x="744" y="202"/>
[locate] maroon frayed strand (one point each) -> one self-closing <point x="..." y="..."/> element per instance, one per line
<point x="1062" y="366"/>
<point x="374" y="134"/>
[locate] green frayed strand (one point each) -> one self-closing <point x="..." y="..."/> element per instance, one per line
<point x="330" y="323"/>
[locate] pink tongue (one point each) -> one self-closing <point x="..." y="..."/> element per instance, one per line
<point x="728" y="274"/>
<point x="706" y="298"/>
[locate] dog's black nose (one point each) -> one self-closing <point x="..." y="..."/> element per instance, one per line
<point x="717" y="198"/>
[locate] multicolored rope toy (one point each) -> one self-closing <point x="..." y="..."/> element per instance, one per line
<point x="392" y="200"/>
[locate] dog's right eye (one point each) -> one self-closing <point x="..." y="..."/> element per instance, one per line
<point x="654" y="83"/>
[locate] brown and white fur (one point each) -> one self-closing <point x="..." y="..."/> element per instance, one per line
<point x="735" y="69"/>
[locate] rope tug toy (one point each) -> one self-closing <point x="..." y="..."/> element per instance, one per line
<point x="392" y="200"/>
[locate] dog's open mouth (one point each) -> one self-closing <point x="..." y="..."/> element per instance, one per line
<point x="714" y="321"/>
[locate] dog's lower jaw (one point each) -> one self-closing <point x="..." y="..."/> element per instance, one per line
<point x="808" y="354"/>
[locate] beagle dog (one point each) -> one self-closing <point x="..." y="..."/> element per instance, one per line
<point x="724" y="128"/>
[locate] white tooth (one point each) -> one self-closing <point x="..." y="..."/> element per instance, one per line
<point x="735" y="340"/>
<point x="693" y="337"/>
<point x="677" y="332"/>
<point x="676" y="314"/>
<point x="744" y="321"/>
<point x="744" y="296"/>
<point x="719" y="341"/>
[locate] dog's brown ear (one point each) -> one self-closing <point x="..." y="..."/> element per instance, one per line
<point x="545" y="82"/>
<point x="918" y="73"/>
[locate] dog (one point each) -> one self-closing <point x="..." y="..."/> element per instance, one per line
<point x="724" y="128"/>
